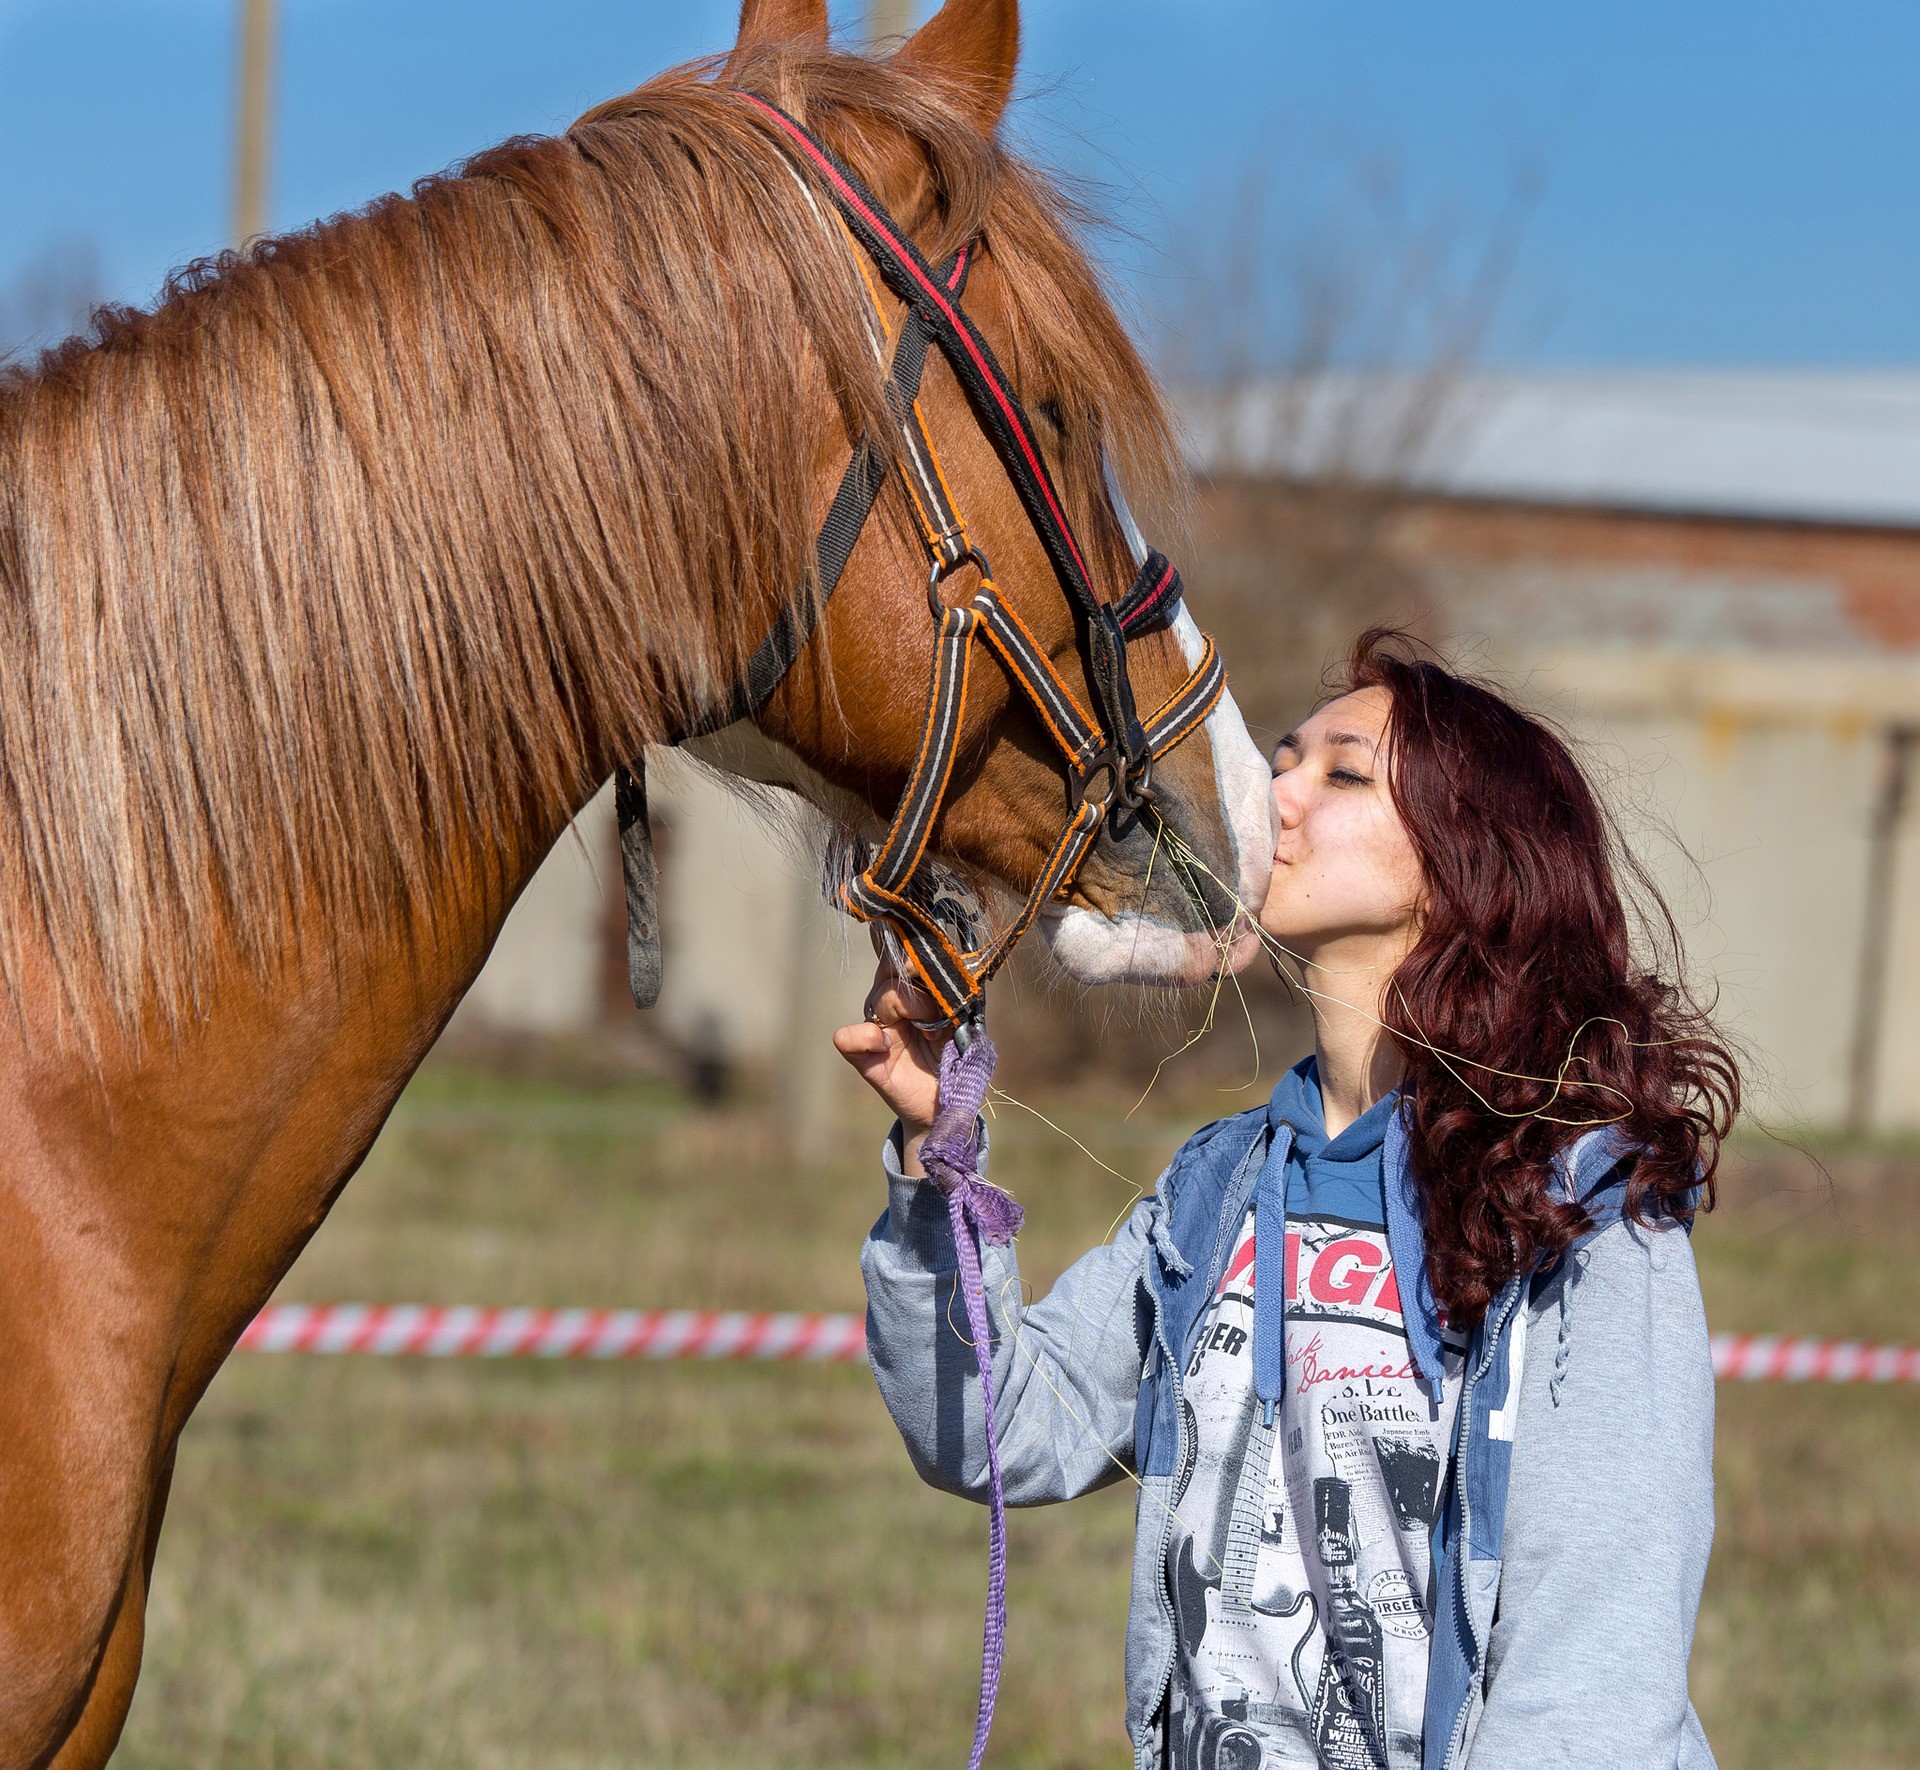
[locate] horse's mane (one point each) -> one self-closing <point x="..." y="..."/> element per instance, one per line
<point x="368" y="548"/>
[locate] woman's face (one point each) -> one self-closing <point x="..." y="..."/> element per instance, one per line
<point x="1344" y="869"/>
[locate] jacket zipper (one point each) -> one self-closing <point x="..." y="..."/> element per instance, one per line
<point x="1160" y="1593"/>
<point x="1463" y="1549"/>
<point x="1165" y="1532"/>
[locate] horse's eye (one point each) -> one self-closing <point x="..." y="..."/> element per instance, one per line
<point x="1049" y="413"/>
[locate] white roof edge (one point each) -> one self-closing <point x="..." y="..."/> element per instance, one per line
<point x="1835" y="447"/>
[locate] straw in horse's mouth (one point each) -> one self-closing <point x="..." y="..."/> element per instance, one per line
<point x="1190" y="885"/>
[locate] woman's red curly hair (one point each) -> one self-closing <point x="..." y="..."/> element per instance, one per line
<point x="1525" y="969"/>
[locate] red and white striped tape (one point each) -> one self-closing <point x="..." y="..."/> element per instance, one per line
<point x="418" y="1330"/>
<point x="1759" y="1358"/>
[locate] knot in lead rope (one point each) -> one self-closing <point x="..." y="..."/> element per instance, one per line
<point x="951" y="1149"/>
<point x="980" y="1214"/>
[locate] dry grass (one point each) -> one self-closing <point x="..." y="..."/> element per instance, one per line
<point x="374" y="1564"/>
<point x="1809" y="1648"/>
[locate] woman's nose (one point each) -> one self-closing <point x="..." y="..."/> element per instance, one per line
<point x="1287" y="805"/>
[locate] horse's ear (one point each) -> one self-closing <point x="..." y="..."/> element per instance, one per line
<point x="781" y="21"/>
<point x="974" y="47"/>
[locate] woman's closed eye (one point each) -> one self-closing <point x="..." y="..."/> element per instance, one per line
<point x="1349" y="777"/>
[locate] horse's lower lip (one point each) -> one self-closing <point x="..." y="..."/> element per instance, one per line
<point x="1241" y="950"/>
<point x="1099" y="951"/>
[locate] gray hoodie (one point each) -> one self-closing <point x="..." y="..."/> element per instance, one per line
<point x="1580" y="1508"/>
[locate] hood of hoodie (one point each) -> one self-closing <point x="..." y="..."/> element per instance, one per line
<point x="1340" y="1176"/>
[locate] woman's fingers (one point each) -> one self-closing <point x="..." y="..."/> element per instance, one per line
<point x="915" y="1000"/>
<point x="893" y="1001"/>
<point x="899" y="1001"/>
<point x="890" y="1053"/>
<point x="863" y="1038"/>
<point x="875" y="1050"/>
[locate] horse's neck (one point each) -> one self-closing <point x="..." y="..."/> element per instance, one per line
<point x="203" y="1162"/>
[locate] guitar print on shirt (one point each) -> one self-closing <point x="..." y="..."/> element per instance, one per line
<point x="1300" y="1565"/>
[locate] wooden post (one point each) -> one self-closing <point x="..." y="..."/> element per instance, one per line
<point x="1876" y="940"/>
<point x="888" y="20"/>
<point x="821" y="1100"/>
<point x="254" y="144"/>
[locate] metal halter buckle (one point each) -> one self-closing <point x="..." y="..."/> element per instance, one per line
<point x="1103" y="762"/>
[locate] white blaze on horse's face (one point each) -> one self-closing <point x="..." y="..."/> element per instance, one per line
<point x="1138" y="947"/>
<point x="1142" y="948"/>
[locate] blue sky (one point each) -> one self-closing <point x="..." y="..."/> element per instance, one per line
<point x="1717" y="182"/>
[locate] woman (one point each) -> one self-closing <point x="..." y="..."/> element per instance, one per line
<point x="1431" y="1486"/>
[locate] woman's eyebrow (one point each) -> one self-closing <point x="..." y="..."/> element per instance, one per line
<point x="1353" y="738"/>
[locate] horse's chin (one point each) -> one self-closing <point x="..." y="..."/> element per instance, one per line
<point x="1097" y="949"/>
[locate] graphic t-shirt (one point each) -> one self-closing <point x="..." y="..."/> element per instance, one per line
<point x="1300" y="1562"/>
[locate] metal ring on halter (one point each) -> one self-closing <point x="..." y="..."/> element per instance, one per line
<point x="1132" y="795"/>
<point x="1136" y="783"/>
<point x="942" y="569"/>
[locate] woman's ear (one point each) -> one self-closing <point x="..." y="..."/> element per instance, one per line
<point x="972" y="46"/>
<point x="780" y="21"/>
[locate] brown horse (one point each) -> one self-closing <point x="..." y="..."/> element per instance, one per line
<point x="334" y="586"/>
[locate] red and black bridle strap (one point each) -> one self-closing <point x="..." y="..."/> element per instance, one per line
<point x="909" y="276"/>
<point x="995" y="405"/>
<point x="1155" y="594"/>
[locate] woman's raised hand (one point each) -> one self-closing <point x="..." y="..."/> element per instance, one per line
<point x="895" y="1058"/>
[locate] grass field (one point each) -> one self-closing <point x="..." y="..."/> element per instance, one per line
<point x="410" y="1566"/>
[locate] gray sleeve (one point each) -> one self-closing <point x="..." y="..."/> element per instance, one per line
<point x="1609" y="1518"/>
<point x="1066" y="1370"/>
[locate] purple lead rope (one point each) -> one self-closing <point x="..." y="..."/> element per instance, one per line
<point x="951" y="1154"/>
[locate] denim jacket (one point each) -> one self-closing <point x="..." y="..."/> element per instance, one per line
<point x="1569" y="1554"/>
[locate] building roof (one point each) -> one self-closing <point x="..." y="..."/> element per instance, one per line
<point x="1808" y="447"/>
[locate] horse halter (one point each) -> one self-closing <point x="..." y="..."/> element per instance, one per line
<point x="1109" y="754"/>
